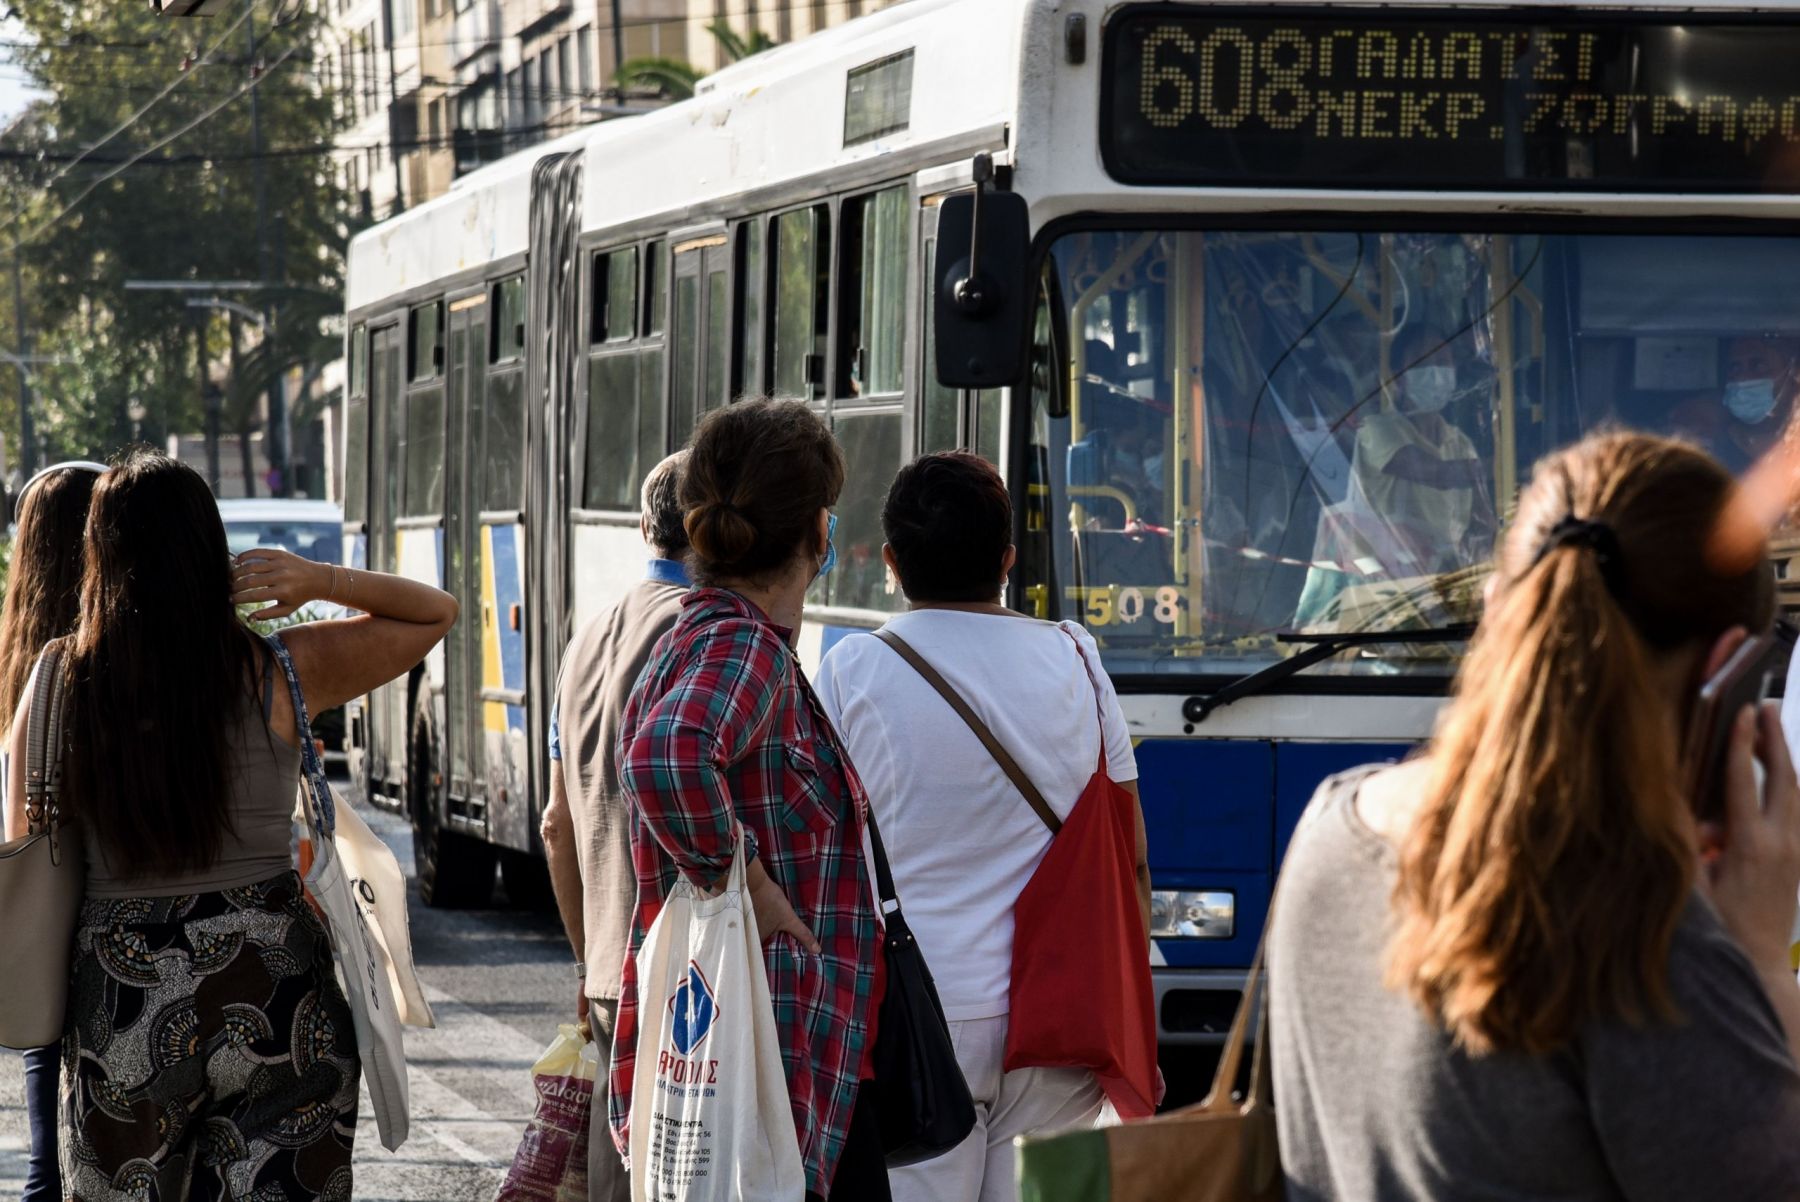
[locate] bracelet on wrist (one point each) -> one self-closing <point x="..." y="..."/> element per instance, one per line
<point x="581" y="970"/>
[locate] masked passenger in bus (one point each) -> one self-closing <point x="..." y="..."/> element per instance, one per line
<point x="1416" y="480"/>
<point x="1755" y="406"/>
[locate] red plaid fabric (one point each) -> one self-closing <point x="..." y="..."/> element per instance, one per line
<point x="723" y="728"/>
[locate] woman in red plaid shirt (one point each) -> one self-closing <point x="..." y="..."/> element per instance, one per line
<point x="724" y="729"/>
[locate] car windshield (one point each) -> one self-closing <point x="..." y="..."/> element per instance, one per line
<point x="321" y="542"/>
<point x="1242" y="434"/>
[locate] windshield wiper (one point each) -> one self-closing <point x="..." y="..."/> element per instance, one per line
<point x="1319" y="647"/>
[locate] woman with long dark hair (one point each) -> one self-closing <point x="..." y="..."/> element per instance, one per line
<point x="43" y="594"/>
<point x="1505" y="968"/>
<point x="723" y="733"/>
<point x="208" y="1050"/>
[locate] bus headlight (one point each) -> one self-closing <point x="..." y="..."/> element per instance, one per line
<point x="1182" y="914"/>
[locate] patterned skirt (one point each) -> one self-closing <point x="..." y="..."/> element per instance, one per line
<point x="209" y="1052"/>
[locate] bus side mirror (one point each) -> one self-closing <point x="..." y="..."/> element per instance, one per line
<point x="982" y="315"/>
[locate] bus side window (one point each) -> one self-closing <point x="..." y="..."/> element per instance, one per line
<point x="752" y="290"/>
<point x="356" y="430"/>
<point x="802" y="292"/>
<point x="626" y="415"/>
<point x="422" y="494"/>
<point x="872" y="344"/>
<point x="502" y="451"/>
<point x="612" y="467"/>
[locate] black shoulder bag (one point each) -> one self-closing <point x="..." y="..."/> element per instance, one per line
<point x="922" y="1099"/>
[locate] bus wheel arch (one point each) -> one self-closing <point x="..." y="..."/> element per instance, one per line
<point x="454" y="869"/>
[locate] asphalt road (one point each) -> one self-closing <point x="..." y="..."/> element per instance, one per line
<point x="498" y="981"/>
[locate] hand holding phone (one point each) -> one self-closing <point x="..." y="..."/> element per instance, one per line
<point x="1744" y="680"/>
<point x="1755" y="876"/>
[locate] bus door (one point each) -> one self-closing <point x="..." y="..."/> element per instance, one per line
<point x="386" y="423"/>
<point x="467" y="368"/>
<point x="495" y="626"/>
<point x="700" y="347"/>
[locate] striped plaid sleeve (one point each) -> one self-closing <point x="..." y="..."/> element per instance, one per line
<point x="713" y="713"/>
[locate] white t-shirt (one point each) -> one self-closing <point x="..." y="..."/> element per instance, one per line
<point x="961" y="839"/>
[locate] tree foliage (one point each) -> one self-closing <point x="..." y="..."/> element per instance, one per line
<point x="676" y="78"/>
<point x="86" y="222"/>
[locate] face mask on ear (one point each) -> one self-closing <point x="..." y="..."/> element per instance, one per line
<point x="1750" y="401"/>
<point x="830" y="560"/>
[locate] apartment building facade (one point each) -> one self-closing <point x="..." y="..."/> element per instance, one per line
<point x="432" y="89"/>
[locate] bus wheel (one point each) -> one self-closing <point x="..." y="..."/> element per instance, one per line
<point x="454" y="870"/>
<point x="527" y="881"/>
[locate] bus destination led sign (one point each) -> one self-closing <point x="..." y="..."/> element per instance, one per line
<point x="1347" y="99"/>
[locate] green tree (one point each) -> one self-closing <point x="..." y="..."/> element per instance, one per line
<point x="142" y="164"/>
<point x="675" y="78"/>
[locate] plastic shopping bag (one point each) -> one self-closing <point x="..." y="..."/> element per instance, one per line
<point x="710" y="1117"/>
<point x="552" y="1160"/>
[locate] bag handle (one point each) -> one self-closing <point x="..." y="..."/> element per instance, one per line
<point x="1007" y="764"/>
<point x="1255" y="1000"/>
<point x="322" y="810"/>
<point x="45" y="740"/>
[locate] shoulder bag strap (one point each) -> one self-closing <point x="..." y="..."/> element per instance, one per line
<point x="884" y="876"/>
<point x="44" y="739"/>
<point x="323" y="811"/>
<point x="1007" y="764"/>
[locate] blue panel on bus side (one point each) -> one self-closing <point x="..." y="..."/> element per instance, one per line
<point x="507" y="585"/>
<point x="1206" y="803"/>
<point x="1299" y="767"/>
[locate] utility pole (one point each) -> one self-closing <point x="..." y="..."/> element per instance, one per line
<point x="618" y="32"/>
<point x="279" y="458"/>
<point x="27" y="427"/>
<point x="387" y="22"/>
<point x="209" y="401"/>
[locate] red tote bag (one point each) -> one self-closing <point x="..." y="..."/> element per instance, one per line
<point x="1081" y="994"/>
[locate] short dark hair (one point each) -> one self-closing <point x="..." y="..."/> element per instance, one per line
<point x="949" y="520"/>
<point x="756" y="476"/>
<point x="661" y="502"/>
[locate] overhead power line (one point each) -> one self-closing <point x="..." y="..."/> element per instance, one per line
<point x="153" y="102"/>
<point x="194" y="124"/>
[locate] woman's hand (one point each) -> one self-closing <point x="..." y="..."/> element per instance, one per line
<point x="1754" y="880"/>
<point x="774" y="912"/>
<point x="280" y="580"/>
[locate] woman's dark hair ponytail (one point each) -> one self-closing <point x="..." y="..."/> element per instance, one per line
<point x="756" y="476"/>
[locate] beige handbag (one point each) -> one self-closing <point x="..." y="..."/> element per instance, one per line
<point x="41" y="880"/>
<point x="1222" y="1149"/>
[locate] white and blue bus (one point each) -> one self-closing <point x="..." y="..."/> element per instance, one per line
<point x="1273" y="308"/>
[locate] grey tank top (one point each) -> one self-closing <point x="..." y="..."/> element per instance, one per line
<point x="259" y="842"/>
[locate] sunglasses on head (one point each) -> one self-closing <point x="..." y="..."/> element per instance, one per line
<point x="80" y="465"/>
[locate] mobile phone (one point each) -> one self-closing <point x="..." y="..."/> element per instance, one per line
<point x="1745" y="679"/>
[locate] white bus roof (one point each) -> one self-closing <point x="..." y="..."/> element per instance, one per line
<point x="775" y="117"/>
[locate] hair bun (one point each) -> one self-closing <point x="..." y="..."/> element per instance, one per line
<point x="719" y="532"/>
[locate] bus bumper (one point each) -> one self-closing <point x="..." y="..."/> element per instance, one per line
<point x="1195" y="1005"/>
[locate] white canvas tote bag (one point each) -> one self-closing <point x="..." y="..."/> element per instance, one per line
<point x="362" y="955"/>
<point x="710" y="1116"/>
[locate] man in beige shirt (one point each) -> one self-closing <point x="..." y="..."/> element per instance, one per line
<point x="585" y="831"/>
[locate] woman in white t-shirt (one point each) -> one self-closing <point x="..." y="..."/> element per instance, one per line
<point x="961" y="838"/>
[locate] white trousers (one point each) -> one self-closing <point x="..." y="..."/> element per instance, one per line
<point x="1026" y="1102"/>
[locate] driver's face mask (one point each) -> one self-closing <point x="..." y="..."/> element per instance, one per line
<point x="1750" y="401"/>
<point x="1429" y="389"/>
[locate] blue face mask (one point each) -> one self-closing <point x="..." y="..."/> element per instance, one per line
<point x="1750" y="401"/>
<point x="830" y="549"/>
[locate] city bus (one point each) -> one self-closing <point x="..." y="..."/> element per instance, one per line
<point x="1273" y="309"/>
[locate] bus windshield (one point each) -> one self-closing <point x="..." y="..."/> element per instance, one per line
<point x="1242" y="435"/>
